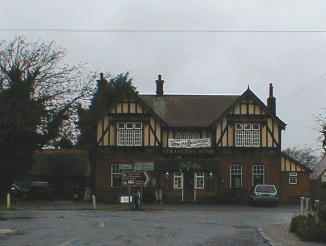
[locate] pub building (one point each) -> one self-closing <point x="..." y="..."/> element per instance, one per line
<point x="194" y="148"/>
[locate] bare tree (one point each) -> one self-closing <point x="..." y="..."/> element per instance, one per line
<point x="306" y="156"/>
<point x="38" y="92"/>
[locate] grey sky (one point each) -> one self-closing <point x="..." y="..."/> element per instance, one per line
<point x="203" y="63"/>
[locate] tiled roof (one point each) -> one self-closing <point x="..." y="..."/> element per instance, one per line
<point x="189" y="110"/>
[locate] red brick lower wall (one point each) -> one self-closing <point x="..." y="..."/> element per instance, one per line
<point x="290" y="193"/>
<point x="218" y="186"/>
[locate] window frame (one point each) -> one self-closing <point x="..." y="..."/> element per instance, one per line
<point x="130" y="136"/>
<point x="247" y="134"/>
<point x="293" y="175"/>
<point x="113" y="173"/>
<point x="197" y="176"/>
<point x="253" y="173"/>
<point x="175" y="177"/>
<point x="231" y="174"/>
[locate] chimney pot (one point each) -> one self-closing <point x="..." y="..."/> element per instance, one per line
<point x="271" y="100"/>
<point x="159" y="86"/>
<point x="271" y="90"/>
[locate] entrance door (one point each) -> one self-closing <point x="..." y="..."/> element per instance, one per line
<point x="188" y="186"/>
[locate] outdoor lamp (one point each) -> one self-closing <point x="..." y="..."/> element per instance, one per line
<point x="167" y="173"/>
<point x="211" y="174"/>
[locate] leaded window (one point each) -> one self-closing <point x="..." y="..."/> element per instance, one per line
<point x="258" y="174"/>
<point x="130" y="134"/>
<point x="236" y="176"/>
<point x="199" y="181"/>
<point x="116" y="177"/>
<point x="178" y="181"/>
<point x="247" y="134"/>
<point x="293" y="178"/>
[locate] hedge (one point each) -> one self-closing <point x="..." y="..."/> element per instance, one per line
<point x="308" y="229"/>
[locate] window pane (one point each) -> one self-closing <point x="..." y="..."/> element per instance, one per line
<point x="132" y="135"/>
<point x="116" y="180"/>
<point x="236" y="176"/>
<point x="247" y="135"/>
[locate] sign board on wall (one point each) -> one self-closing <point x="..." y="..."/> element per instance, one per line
<point x="189" y="143"/>
<point x="144" y="166"/>
<point x="137" y="167"/>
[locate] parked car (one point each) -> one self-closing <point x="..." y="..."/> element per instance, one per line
<point x="28" y="189"/>
<point x="264" y="194"/>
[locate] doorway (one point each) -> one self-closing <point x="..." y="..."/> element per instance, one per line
<point x="188" y="186"/>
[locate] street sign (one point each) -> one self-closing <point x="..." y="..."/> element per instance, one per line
<point x="134" y="179"/>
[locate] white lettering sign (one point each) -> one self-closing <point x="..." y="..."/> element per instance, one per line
<point x="190" y="143"/>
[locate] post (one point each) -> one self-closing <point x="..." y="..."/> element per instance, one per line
<point x="307" y="205"/>
<point x="8" y="201"/>
<point x="94" y="201"/>
<point x="301" y="205"/>
<point x="316" y="213"/>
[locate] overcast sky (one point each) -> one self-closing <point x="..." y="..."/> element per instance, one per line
<point x="201" y="63"/>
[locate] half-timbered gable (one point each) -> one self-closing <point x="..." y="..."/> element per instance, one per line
<point x="129" y="123"/>
<point x="248" y="123"/>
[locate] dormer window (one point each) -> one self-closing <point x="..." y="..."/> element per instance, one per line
<point x="130" y="134"/>
<point x="247" y="134"/>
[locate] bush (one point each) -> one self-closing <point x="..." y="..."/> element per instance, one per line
<point x="322" y="231"/>
<point x="322" y="212"/>
<point x="295" y="222"/>
<point x="308" y="230"/>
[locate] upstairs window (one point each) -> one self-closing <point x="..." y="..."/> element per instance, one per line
<point x="247" y="134"/>
<point x="130" y="134"/>
<point x="258" y="174"/>
<point x="236" y="176"/>
<point x="293" y="178"/>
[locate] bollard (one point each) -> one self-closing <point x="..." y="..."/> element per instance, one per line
<point x="316" y="213"/>
<point x="8" y="201"/>
<point x="301" y="205"/>
<point x="94" y="201"/>
<point x="307" y="205"/>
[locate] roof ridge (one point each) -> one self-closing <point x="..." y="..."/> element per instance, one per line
<point x="166" y="95"/>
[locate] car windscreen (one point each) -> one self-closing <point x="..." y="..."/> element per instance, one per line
<point x="265" y="189"/>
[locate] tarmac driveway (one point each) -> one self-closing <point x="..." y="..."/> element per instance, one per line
<point x="167" y="225"/>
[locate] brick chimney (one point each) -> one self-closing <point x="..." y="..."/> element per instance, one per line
<point x="271" y="100"/>
<point x="159" y="86"/>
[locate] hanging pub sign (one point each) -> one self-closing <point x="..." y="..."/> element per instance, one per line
<point x="189" y="143"/>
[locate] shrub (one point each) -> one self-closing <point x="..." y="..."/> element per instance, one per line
<point x="322" y="228"/>
<point x="295" y="222"/>
<point x="307" y="229"/>
<point x="322" y="212"/>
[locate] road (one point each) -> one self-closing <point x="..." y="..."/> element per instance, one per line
<point x="170" y="225"/>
